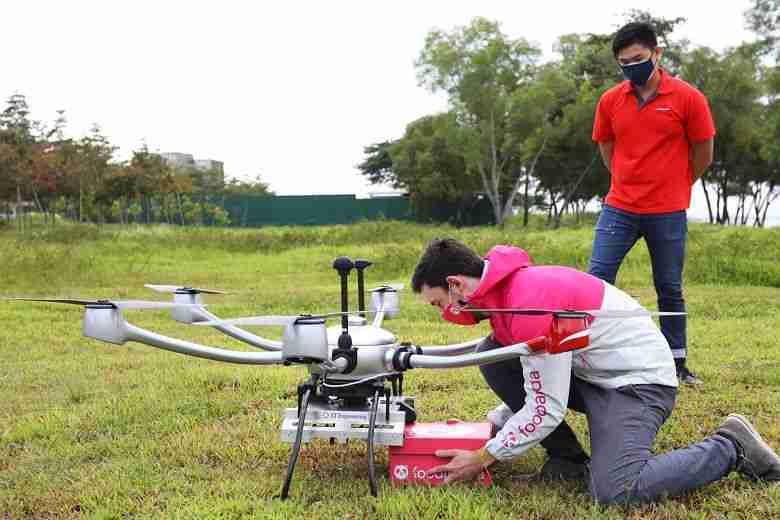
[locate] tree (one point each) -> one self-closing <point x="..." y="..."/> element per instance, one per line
<point x="480" y="69"/>
<point x="730" y="82"/>
<point x="252" y="186"/>
<point x="378" y="164"/>
<point x="16" y="149"/>
<point x="763" y="18"/>
<point x="430" y="164"/>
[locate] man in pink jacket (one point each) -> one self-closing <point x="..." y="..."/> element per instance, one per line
<point x="624" y="380"/>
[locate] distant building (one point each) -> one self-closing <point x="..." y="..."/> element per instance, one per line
<point x="179" y="160"/>
<point x="187" y="161"/>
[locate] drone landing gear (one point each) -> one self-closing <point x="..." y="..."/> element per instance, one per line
<point x="371" y="425"/>
<point x="305" y="392"/>
<point x="342" y="412"/>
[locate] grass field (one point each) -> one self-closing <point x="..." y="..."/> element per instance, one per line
<point x="89" y="429"/>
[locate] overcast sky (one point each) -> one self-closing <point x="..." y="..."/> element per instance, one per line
<point x="290" y="90"/>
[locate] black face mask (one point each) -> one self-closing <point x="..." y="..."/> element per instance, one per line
<point x="639" y="73"/>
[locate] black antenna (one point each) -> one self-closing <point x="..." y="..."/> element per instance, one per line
<point x="344" y="265"/>
<point x="360" y="265"/>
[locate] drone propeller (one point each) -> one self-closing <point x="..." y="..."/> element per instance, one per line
<point x="279" y="321"/>
<point x="175" y="288"/>
<point x="388" y="287"/>
<point x="571" y="313"/>
<point x="123" y="304"/>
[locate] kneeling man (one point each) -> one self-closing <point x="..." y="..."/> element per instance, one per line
<point x="625" y="381"/>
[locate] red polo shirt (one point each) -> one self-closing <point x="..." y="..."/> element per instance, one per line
<point x="651" y="169"/>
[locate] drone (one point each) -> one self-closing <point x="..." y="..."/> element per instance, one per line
<point x="356" y="369"/>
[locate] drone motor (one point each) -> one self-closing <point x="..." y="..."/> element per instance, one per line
<point x="305" y="341"/>
<point x="385" y="299"/>
<point x="184" y="314"/>
<point x="105" y="323"/>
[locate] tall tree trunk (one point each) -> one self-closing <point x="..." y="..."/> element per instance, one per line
<point x="81" y="201"/>
<point x="20" y="223"/>
<point x="573" y="190"/>
<point x="526" y="202"/>
<point x="529" y="171"/>
<point x="707" y="199"/>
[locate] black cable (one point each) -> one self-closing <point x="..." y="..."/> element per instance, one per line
<point x="371" y="425"/>
<point x="297" y="445"/>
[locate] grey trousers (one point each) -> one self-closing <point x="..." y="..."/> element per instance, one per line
<point x="623" y="423"/>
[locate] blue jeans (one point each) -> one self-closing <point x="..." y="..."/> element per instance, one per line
<point x="665" y="235"/>
<point x="623" y="423"/>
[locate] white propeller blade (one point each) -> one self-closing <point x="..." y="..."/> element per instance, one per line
<point x="174" y="288"/>
<point x="596" y="313"/>
<point x="281" y="321"/>
<point x="388" y="286"/>
<point x="261" y="321"/>
<point x="141" y="304"/>
<point x="119" y="304"/>
<point x="638" y="313"/>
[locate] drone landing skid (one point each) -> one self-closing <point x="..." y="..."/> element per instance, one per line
<point x="378" y="418"/>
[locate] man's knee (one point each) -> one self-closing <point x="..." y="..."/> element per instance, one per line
<point x="609" y="492"/>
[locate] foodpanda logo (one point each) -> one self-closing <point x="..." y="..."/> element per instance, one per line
<point x="510" y="441"/>
<point x="401" y="472"/>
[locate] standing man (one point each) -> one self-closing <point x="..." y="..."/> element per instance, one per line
<point x="655" y="133"/>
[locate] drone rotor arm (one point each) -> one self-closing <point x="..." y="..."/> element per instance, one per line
<point x="238" y="333"/>
<point x="139" y="335"/>
<point x="452" y="350"/>
<point x="473" y="359"/>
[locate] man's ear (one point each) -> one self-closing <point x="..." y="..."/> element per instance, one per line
<point x="455" y="281"/>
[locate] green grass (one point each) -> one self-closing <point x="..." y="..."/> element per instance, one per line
<point x="89" y="429"/>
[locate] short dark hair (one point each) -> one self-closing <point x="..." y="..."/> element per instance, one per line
<point x="445" y="257"/>
<point x="634" y="32"/>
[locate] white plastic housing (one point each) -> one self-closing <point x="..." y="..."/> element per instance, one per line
<point x="104" y="323"/>
<point x="385" y="300"/>
<point x="184" y="314"/>
<point x="305" y="341"/>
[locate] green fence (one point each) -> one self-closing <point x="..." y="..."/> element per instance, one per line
<point x="246" y="211"/>
<point x="293" y="210"/>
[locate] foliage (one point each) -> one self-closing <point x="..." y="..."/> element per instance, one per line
<point x="78" y="178"/>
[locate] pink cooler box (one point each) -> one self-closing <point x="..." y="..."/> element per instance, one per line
<point x="410" y="462"/>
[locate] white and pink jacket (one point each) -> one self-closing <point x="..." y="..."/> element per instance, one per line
<point x="621" y="352"/>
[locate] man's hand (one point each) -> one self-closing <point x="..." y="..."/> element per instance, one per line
<point x="465" y="464"/>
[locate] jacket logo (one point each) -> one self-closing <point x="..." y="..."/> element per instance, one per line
<point x="510" y="441"/>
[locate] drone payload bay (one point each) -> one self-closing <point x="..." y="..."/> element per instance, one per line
<point x="355" y="384"/>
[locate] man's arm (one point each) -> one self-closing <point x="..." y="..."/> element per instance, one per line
<point x="606" y="154"/>
<point x="547" y="379"/>
<point x="701" y="157"/>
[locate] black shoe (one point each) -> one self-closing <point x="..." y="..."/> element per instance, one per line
<point x="755" y="459"/>
<point x="558" y="468"/>
<point x="686" y="377"/>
